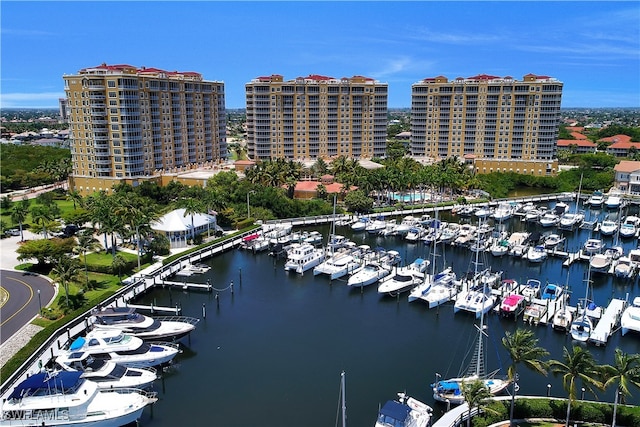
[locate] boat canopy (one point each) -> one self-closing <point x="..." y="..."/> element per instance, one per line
<point x="44" y="383"/>
<point x="77" y="344"/>
<point x="449" y="386"/>
<point x="394" y="411"/>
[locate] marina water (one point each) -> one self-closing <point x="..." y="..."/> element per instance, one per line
<point x="271" y="352"/>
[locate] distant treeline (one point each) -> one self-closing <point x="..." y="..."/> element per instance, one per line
<point x="23" y="166"/>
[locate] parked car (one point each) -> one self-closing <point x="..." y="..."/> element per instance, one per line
<point x="12" y="232"/>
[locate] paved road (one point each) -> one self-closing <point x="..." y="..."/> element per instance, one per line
<point x="21" y="302"/>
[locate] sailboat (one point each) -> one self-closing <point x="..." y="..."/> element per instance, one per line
<point x="582" y="326"/>
<point x="571" y="220"/>
<point x="563" y="318"/>
<point x="436" y="288"/>
<point x="450" y="390"/>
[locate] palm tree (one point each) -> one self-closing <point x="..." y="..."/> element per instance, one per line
<point x="579" y="364"/>
<point x="522" y="348"/>
<point x="624" y="372"/>
<point x="476" y="395"/>
<point x="42" y="216"/>
<point x="191" y="207"/>
<point x="86" y="243"/>
<point x="65" y="271"/>
<point x="76" y="198"/>
<point x="19" y="214"/>
<point x="117" y="264"/>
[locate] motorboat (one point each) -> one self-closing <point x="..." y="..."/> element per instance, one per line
<point x="63" y="398"/>
<point x="314" y="238"/>
<point x="593" y="246"/>
<point x="630" y="319"/>
<point x="551" y="292"/>
<point x="128" y="321"/>
<point x="302" y="257"/>
<point x="570" y="220"/>
<point x="360" y="224"/>
<point x="562" y="318"/>
<point x="118" y="347"/>
<point x="480" y="245"/>
<point x="191" y="269"/>
<point x="531" y="289"/>
<point x="484" y="212"/>
<point x="596" y="199"/>
<point x="404" y="278"/>
<point x="375" y="226"/>
<point x="449" y="233"/>
<point x="511" y="304"/>
<point x="608" y="227"/>
<point x="629" y="227"/>
<point x="500" y="247"/>
<point x="536" y="253"/>
<point x="533" y="215"/>
<point x="503" y="212"/>
<point x="415" y="233"/>
<point x="549" y="219"/>
<point x="552" y="240"/>
<point x="466" y="234"/>
<point x="109" y="374"/>
<point x="624" y="268"/>
<point x="406" y="224"/>
<point x="613" y="201"/>
<point x="600" y="263"/>
<point x="404" y="412"/>
<point x="337" y="241"/>
<point x="369" y="274"/>
<point x="337" y="265"/>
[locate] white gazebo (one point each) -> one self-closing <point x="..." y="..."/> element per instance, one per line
<point x="177" y="226"/>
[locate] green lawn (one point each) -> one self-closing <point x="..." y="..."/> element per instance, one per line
<point x="106" y="258"/>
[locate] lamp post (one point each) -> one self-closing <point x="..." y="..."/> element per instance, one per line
<point x="548" y="390"/>
<point x="39" y="303"/>
<point x="248" y="208"/>
<point x="138" y="244"/>
<point x="582" y="394"/>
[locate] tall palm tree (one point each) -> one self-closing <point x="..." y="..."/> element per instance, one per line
<point x="42" y="216"/>
<point x="191" y="207"/>
<point x="578" y="364"/>
<point x="76" y="198"/>
<point x="19" y="214"/>
<point x="117" y="264"/>
<point x="523" y="348"/>
<point x="86" y="243"/>
<point x="624" y="372"/>
<point x="476" y="395"/>
<point x="65" y="271"/>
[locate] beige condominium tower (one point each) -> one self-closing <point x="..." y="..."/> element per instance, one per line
<point x="498" y="123"/>
<point x="130" y="124"/>
<point x="316" y="117"/>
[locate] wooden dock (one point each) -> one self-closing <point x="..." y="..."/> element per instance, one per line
<point x="155" y="308"/>
<point x="608" y="322"/>
<point x="189" y="286"/>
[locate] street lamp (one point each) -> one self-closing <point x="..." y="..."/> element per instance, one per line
<point x="248" y="208"/>
<point x="582" y="395"/>
<point x="39" y="303"/>
<point x="548" y="390"/>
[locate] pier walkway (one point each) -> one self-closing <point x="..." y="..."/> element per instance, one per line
<point x="608" y="322"/>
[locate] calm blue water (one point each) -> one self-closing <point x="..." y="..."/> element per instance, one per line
<point x="271" y="353"/>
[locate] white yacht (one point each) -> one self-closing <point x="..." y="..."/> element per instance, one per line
<point x="109" y="374"/>
<point x="629" y="227"/>
<point x="375" y="226"/>
<point x="552" y="240"/>
<point x="600" y="263"/>
<point x="630" y="320"/>
<point x="337" y="265"/>
<point x="608" y="227"/>
<point x="302" y="257"/>
<point x="128" y="321"/>
<point x="613" y="201"/>
<point x="536" y="253"/>
<point x="406" y="224"/>
<point x="503" y="212"/>
<point x="360" y="224"/>
<point x="596" y="199"/>
<point x="581" y="328"/>
<point x="444" y="287"/>
<point x="484" y="212"/>
<point x="450" y="233"/>
<point x="404" y="412"/>
<point x="549" y="219"/>
<point x="66" y="399"/>
<point x="532" y="289"/>
<point x="570" y="220"/>
<point x="118" y="347"/>
<point x="415" y="233"/>
<point x="404" y="278"/>
<point x="593" y="246"/>
<point x="624" y="268"/>
<point x="563" y="318"/>
<point x="369" y="274"/>
<point x="500" y="247"/>
<point x="476" y="300"/>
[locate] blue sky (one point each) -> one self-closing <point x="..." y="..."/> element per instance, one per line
<point x="593" y="47"/>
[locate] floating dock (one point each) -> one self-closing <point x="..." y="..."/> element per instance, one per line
<point x="608" y="322"/>
<point x="154" y="308"/>
<point x="189" y="286"/>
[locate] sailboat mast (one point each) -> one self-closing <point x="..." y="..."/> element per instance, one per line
<point x="344" y="405"/>
<point x="484" y="291"/>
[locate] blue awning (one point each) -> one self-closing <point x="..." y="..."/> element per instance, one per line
<point x="57" y="383"/>
<point x="395" y="410"/>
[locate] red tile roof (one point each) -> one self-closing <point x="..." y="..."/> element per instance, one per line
<point x="623" y="145"/>
<point x="311" y="186"/>
<point x="578" y="135"/>
<point x="577" y="142"/>
<point x="616" y="138"/>
<point x="483" y="77"/>
<point x="627" y="166"/>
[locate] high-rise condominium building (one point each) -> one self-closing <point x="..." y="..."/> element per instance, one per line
<point x="130" y="124"/>
<point x="500" y="123"/>
<point x="316" y="117"/>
